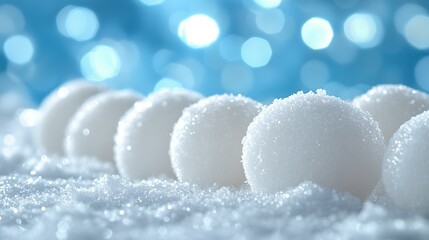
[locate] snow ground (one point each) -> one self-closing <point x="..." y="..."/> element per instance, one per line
<point x="56" y="198"/>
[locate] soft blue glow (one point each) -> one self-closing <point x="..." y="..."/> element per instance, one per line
<point x="18" y="49"/>
<point x="256" y="52"/>
<point x="101" y="63"/>
<point x="152" y="2"/>
<point x="417" y="31"/>
<point x="270" y="21"/>
<point x="237" y="78"/>
<point x="78" y="23"/>
<point x="167" y="83"/>
<point x="11" y="20"/>
<point x="317" y="33"/>
<point x="421" y="73"/>
<point x="314" y="74"/>
<point x="268" y="3"/>
<point x="405" y="13"/>
<point x="198" y="31"/>
<point x="365" y="30"/>
<point x="229" y="47"/>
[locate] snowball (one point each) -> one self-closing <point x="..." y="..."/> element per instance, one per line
<point x="57" y="110"/>
<point x="392" y="105"/>
<point x="92" y="129"/>
<point x="143" y="137"/>
<point x="405" y="169"/>
<point x="206" y="141"/>
<point x="313" y="137"/>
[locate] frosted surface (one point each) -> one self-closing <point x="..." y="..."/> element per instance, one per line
<point x="57" y="198"/>
<point x="57" y="110"/>
<point x="93" y="127"/>
<point x="406" y="164"/>
<point x="206" y="141"/>
<point x="313" y="137"/>
<point x="392" y="105"/>
<point x="142" y="141"/>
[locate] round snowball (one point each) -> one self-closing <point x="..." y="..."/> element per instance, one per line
<point x="392" y="105"/>
<point x="56" y="111"/>
<point x="313" y="137"/>
<point x="92" y="129"/>
<point x="143" y="138"/>
<point x="206" y="141"/>
<point x="406" y="164"/>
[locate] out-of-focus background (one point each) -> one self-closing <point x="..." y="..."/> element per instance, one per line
<point x="264" y="49"/>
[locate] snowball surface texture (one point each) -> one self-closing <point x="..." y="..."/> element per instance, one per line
<point x="57" y="110"/>
<point x="313" y="137"/>
<point x="93" y="127"/>
<point x="144" y="132"/>
<point x="406" y="165"/>
<point x="392" y="105"/>
<point x="206" y="141"/>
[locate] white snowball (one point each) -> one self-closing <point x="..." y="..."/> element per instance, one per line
<point x="92" y="129"/>
<point x="143" y="138"/>
<point x="313" y="137"/>
<point x="206" y="141"/>
<point x="392" y="105"/>
<point x="405" y="169"/>
<point x="56" y="112"/>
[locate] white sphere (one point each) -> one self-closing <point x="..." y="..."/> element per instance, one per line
<point x="93" y="127"/>
<point x="392" y="105"/>
<point x="56" y="111"/>
<point x="406" y="165"/>
<point x="206" y="141"/>
<point x="313" y="137"/>
<point x="143" y="138"/>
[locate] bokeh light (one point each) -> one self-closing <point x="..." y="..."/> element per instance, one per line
<point x="268" y="3"/>
<point x="11" y="20"/>
<point x="28" y="117"/>
<point x="18" y="49"/>
<point x="421" y="72"/>
<point x="256" y="52"/>
<point x="405" y="13"/>
<point x="417" y="31"/>
<point x="101" y="63"/>
<point x="78" y="23"/>
<point x="270" y="21"/>
<point x="365" y="30"/>
<point x="152" y="2"/>
<point x="265" y="49"/>
<point x="198" y="31"/>
<point x="317" y="33"/>
<point x="167" y="83"/>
